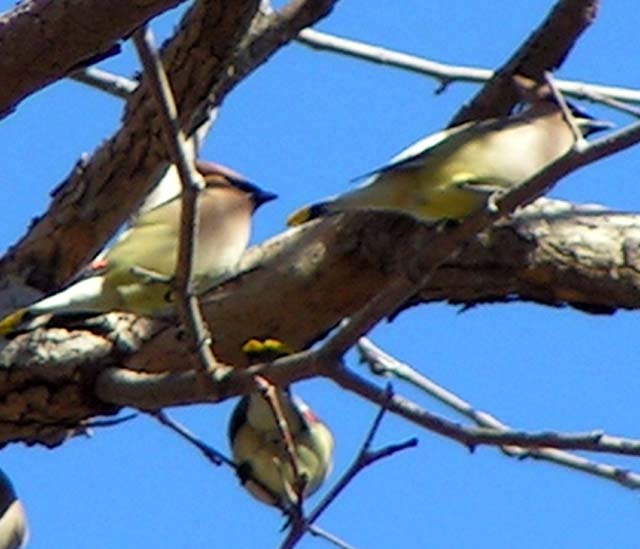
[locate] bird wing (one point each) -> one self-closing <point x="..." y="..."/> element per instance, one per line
<point x="413" y="156"/>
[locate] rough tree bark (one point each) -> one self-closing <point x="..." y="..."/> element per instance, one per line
<point x="41" y="42"/>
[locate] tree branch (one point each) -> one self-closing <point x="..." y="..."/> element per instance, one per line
<point x="446" y="74"/>
<point x="54" y="38"/>
<point x="380" y="363"/>
<point x="545" y="50"/>
<point x="192" y="184"/>
<point x="113" y="84"/>
<point x="594" y="441"/>
<point x="538" y="259"/>
<point x="364" y="459"/>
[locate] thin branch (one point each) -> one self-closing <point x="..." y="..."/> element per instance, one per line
<point x="86" y="428"/>
<point x="446" y="74"/>
<point x="364" y="458"/>
<point x="442" y="72"/>
<point x="596" y="97"/>
<point x="569" y="119"/>
<point x="213" y="455"/>
<point x="318" y="532"/>
<point x="268" y="391"/>
<point x="594" y="441"/>
<point x="151" y="390"/>
<point x="113" y="84"/>
<point x="383" y="364"/>
<point x="217" y="458"/>
<point x="187" y="301"/>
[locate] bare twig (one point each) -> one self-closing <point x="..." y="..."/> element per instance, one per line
<point x="187" y="301"/>
<point x="446" y="74"/>
<point x="213" y="455"/>
<point x="364" y="458"/>
<point x="580" y="141"/>
<point x="318" y="532"/>
<point x="86" y="428"/>
<point x="594" y="441"/>
<point x="270" y="396"/>
<point x="114" y="84"/>
<point x="613" y="103"/>
<point x="382" y="363"/>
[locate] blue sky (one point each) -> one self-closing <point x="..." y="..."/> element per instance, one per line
<point x="303" y="125"/>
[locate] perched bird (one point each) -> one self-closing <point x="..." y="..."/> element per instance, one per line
<point x="116" y="280"/>
<point x="13" y="519"/>
<point x="451" y="174"/>
<point x="264" y="466"/>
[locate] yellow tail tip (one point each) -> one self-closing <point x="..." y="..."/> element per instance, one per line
<point x="10" y="322"/>
<point x="310" y="212"/>
<point x="270" y="348"/>
<point x="299" y="217"/>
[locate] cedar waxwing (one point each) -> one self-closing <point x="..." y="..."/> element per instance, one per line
<point x="13" y="520"/>
<point x="451" y="174"/>
<point x="264" y="466"/>
<point x="151" y="245"/>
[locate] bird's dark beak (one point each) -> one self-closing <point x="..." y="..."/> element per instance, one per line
<point x="593" y="125"/>
<point x="262" y="197"/>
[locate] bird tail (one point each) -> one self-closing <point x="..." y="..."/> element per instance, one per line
<point x="10" y="322"/>
<point x="308" y="213"/>
<point x="85" y="296"/>
<point x="267" y="350"/>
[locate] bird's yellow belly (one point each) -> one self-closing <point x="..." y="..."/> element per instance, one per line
<point x="451" y="203"/>
<point x="147" y="298"/>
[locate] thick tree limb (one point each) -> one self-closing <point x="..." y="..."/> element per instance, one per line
<point x="41" y="42"/>
<point x="589" y="257"/>
<point x="113" y="382"/>
<point x="318" y="275"/>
